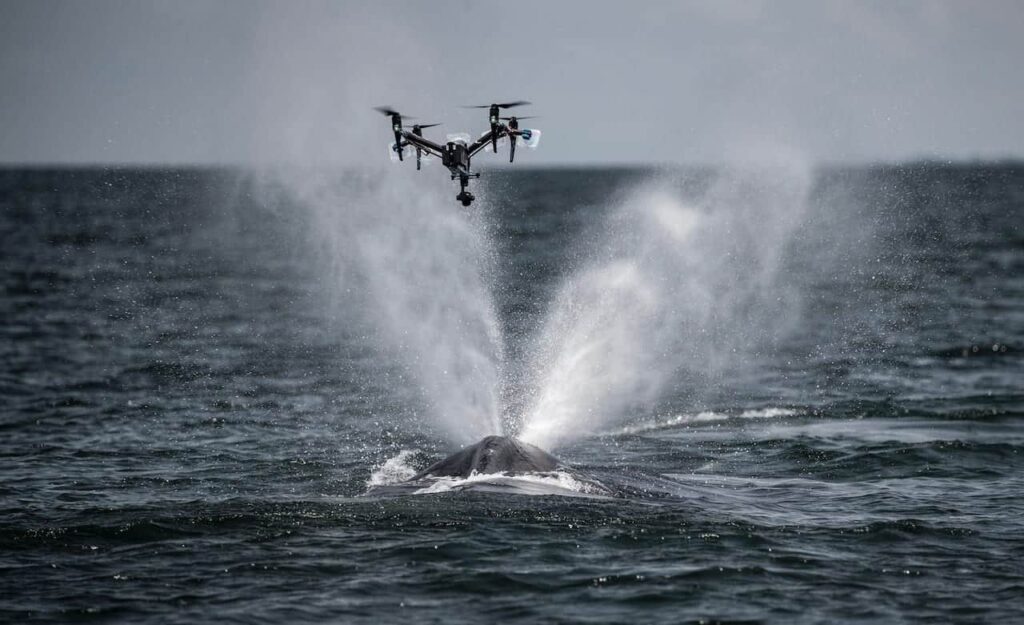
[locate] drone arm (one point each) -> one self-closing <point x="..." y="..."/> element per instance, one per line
<point x="486" y="139"/>
<point x="426" y="145"/>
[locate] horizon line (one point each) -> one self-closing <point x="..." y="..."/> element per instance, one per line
<point x="184" y="165"/>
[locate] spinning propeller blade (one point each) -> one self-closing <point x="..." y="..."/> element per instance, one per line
<point x="523" y="117"/>
<point x="387" y="110"/>
<point x="501" y="105"/>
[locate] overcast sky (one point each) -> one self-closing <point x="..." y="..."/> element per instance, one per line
<point x="628" y="82"/>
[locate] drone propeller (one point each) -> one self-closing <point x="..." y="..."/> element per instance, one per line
<point x="501" y="105"/>
<point x="517" y="117"/>
<point x="386" y="110"/>
<point x="421" y="126"/>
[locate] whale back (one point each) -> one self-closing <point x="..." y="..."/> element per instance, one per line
<point x="494" y="454"/>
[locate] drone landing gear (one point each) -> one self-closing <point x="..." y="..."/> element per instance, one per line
<point x="465" y="196"/>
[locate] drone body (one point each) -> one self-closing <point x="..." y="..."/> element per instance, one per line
<point x="456" y="153"/>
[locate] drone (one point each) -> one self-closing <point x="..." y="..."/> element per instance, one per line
<point x="456" y="152"/>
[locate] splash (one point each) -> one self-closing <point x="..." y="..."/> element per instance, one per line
<point x="673" y="286"/>
<point x="410" y="264"/>
<point x="395" y="470"/>
<point x="554" y="483"/>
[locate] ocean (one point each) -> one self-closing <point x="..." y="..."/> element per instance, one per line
<point x="801" y="389"/>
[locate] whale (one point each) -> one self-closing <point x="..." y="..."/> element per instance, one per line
<point x="501" y="465"/>
<point x="493" y="454"/>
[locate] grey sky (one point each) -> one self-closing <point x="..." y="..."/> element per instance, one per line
<point x="245" y="81"/>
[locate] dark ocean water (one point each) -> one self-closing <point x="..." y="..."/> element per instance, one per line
<point x="189" y="420"/>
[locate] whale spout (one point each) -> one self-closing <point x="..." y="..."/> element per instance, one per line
<point x="494" y="454"/>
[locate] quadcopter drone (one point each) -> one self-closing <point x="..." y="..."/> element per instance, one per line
<point x="457" y="151"/>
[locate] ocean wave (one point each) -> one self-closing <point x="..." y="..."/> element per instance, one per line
<point x="708" y="416"/>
